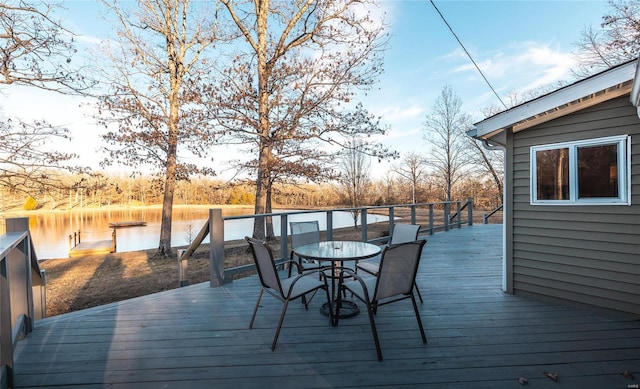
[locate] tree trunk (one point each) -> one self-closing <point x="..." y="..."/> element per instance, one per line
<point x="264" y="158"/>
<point x="164" y="247"/>
<point x="270" y="235"/>
<point x="261" y="201"/>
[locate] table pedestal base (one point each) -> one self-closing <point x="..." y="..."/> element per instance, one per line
<point x="348" y="309"/>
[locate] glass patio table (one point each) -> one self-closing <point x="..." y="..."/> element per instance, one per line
<point x="337" y="252"/>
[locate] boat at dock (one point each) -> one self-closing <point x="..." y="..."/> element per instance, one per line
<point x="133" y="223"/>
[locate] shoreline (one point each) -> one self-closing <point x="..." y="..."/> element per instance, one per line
<point x="24" y="213"/>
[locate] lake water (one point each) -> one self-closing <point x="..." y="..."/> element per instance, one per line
<point x="50" y="231"/>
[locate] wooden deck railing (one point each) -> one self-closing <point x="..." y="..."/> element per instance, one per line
<point x="485" y="217"/>
<point x="22" y="292"/>
<point x="458" y="213"/>
<point x="215" y="229"/>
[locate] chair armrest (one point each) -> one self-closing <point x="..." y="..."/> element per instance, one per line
<point x="291" y="261"/>
<point x="356" y="277"/>
<point x="303" y="275"/>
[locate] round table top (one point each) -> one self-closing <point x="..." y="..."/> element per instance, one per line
<point x="340" y="250"/>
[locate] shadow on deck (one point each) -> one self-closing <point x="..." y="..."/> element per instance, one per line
<point x="478" y="337"/>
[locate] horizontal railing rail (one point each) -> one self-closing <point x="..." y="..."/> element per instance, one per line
<point x="22" y="292"/>
<point x="486" y="216"/>
<point x="437" y="217"/>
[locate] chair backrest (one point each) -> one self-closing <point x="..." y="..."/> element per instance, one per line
<point x="403" y="233"/>
<point x="398" y="269"/>
<point x="303" y="233"/>
<point x="266" y="266"/>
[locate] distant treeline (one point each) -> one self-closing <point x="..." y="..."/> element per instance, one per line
<point x="96" y="190"/>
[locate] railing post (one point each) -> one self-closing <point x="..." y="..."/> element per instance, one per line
<point x="329" y="225"/>
<point x="183" y="280"/>
<point x="6" y="339"/>
<point x="413" y="214"/>
<point x="470" y="210"/>
<point x="447" y="205"/>
<point x="431" y="219"/>
<point x="40" y="311"/>
<point x="216" y="247"/>
<point x="392" y="216"/>
<point x="24" y="299"/>
<point x="459" y="212"/>
<point x="19" y="224"/>
<point x="284" y="237"/>
<point x="363" y="223"/>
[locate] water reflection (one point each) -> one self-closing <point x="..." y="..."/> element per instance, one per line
<point x="51" y="231"/>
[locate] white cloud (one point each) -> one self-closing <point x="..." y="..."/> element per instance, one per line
<point x="397" y="113"/>
<point x="522" y="67"/>
<point x="551" y="65"/>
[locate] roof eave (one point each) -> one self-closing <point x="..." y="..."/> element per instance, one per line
<point x="604" y="86"/>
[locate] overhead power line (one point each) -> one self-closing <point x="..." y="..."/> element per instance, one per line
<point x="468" y="55"/>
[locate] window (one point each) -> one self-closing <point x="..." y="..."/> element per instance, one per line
<point x="594" y="171"/>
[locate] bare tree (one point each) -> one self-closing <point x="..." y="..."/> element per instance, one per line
<point x="305" y="62"/>
<point x="36" y="51"/>
<point x="616" y="41"/>
<point x="413" y="168"/>
<point x="155" y="100"/>
<point x="488" y="163"/>
<point x="355" y="182"/>
<point x="445" y="131"/>
<point x="26" y="158"/>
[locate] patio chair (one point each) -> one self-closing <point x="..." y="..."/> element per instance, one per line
<point x="302" y="233"/>
<point x="402" y="233"/>
<point x="395" y="282"/>
<point x="285" y="290"/>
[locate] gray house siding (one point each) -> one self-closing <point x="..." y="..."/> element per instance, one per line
<point x="584" y="254"/>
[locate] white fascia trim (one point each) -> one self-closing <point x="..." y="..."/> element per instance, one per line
<point x="635" y="92"/>
<point x="557" y="99"/>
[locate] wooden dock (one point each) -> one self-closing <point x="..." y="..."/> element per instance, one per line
<point x="478" y="337"/>
<point x="93" y="248"/>
<point x="78" y="248"/>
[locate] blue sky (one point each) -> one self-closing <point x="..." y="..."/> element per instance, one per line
<point x="519" y="45"/>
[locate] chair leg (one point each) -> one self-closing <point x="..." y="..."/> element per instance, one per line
<point x="374" y="331"/>
<point x="306" y="301"/>
<point x="255" y="310"/>
<point x="415" y="309"/>
<point x="418" y="293"/>
<point x="326" y="289"/>
<point x="275" y="338"/>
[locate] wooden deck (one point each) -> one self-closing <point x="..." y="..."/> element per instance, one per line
<point x="479" y="337"/>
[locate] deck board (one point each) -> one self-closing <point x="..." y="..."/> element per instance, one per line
<point x="478" y="336"/>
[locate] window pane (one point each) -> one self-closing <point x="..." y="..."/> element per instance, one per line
<point x="598" y="171"/>
<point x="552" y="174"/>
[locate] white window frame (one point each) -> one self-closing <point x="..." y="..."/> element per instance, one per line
<point x="624" y="172"/>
